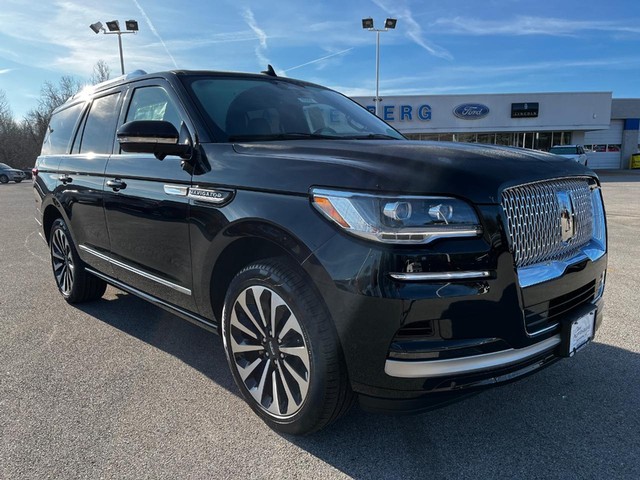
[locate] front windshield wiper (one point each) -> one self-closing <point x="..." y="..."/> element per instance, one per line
<point x="280" y="136"/>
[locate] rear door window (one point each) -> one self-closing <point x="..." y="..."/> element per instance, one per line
<point x="99" y="129"/>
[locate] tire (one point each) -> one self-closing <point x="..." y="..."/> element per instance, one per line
<point x="74" y="283"/>
<point x="297" y="350"/>
<point x="4" y="179"/>
<point x="17" y="180"/>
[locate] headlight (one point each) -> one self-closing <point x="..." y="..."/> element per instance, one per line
<point x="397" y="219"/>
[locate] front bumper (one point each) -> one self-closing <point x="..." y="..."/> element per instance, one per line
<point x="475" y="330"/>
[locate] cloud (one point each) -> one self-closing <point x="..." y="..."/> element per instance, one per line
<point x="6" y="70"/>
<point x="155" y="32"/>
<point x="261" y="49"/>
<point x="528" y="25"/>
<point x="321" y="59"/>
<point x="412" y="28"/>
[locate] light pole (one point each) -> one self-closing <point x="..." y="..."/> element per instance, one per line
<point x="389" y="24"/>
<point x="114" y="29"/>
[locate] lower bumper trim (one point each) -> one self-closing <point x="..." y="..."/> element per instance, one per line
<point x="476" y="363"/>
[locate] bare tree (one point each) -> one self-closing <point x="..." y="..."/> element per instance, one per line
<point x="101" y="72"/>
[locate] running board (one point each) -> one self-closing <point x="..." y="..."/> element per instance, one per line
<point x="182" y="313"/>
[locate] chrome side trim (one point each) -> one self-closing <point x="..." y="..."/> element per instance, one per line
<point x="476" y="363"/>
<point x="178" y="190"/>
<point x="137" y="271"/>
<point x="159" y="140"/>
<point x="195" y="319"/>
<point x="534" y="274"/>
<point x="447" y="276"/>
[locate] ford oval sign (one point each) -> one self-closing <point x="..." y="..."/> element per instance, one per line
<point x="471" y="111"/>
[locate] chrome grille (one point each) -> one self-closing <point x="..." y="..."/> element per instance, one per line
<point x="533" y="214"/>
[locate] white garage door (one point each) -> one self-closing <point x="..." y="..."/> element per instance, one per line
<point x="605" y="146"/>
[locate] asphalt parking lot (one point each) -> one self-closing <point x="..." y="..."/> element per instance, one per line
<point x="120" y="389"/>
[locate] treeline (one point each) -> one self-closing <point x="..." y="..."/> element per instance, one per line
<point x="21" y="140"/>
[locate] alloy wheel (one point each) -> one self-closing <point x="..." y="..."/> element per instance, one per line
<point x="269" y="351"/>
<point x="62" y="260"/>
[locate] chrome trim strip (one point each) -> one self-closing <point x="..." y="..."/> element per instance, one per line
<point x="535" y="274"/>
<point x="195" y="319"/>
<point x="178" y="190"/>
<point x="137" y="271"/>
<point x="476" y="363"/>
<point x="423" y="276"/>
<point x="158" y="140"/>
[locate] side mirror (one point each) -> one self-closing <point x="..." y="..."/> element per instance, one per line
<point x="152" y="136"/>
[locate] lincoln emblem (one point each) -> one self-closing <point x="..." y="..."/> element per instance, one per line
<point x="567" y="216"/>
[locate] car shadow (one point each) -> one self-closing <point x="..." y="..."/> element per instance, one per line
<point x="576" y="419"/>
<point x="191" y="344"/>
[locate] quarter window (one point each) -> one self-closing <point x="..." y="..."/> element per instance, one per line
<point x="61" y="127"/>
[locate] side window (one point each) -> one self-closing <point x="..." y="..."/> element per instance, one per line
<point x="60" y="130"/>
<point x="153" y="103"/>
<point x="99" y="129"/>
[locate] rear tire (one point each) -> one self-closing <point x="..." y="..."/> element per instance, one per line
<point x="4" y="179"/>
<point x="74" y="283"/>
<point x="282" y="348"/>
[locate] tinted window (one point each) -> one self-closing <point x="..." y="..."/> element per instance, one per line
<point x="99" y="130"/>
<point x="153" y="103"/>
<point x="61" y="127"/>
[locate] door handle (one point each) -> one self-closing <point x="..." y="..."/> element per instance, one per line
<point x="64" y="178"/>
<point x="116" y="184"/>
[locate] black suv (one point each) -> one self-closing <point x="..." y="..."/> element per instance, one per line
<point x="337" y="259"/>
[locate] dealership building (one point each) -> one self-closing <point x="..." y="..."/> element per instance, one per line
<point x="607" y="127"/>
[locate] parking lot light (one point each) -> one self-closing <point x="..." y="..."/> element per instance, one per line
<point x="114" y="29"/>
<point x="389" y="24"/>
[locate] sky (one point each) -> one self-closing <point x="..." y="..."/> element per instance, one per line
<point x="438" y="47"/>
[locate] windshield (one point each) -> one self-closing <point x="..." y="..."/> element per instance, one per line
<point x="563" y="150"/>
<point x="246" y="109"/>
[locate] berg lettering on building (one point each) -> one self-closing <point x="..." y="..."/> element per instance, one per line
<point x="402" y="113"/>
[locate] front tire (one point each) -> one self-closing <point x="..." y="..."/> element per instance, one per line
<point x="17" y="180"/>
<point x="282" y="348"/>
<point x="74" y="283"/>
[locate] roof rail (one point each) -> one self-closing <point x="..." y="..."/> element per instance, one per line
<point x="112" y="81"/>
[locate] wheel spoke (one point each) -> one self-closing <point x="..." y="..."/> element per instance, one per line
<point x="242" y="300"/>
<point x="276" y="302"/>
<point x="257" y="294"/>
<point x="241" y="348"/>
<point x="291" y="324"/>
<point x="258" y="392"/>
<point x="300" y="352"/>
<point x="237" y="324"/>
<point x="303" y="383"/>
<point x="291" y="403"/>
<point x="248" y="370"/>
<point x="275" y="404"/>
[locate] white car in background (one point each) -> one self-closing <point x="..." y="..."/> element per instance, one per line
<point x="572" y="152"/>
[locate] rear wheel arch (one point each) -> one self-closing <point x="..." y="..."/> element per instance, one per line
<point x="50" y="215"/>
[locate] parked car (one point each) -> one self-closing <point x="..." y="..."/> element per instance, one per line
<point x="8" y="174"/>
<point x="572" y="152"/>
<point x="28" y="174"/>
<point x="338" y="260"/>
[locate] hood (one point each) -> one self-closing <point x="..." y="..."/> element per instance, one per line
<point x="475" y="172"/>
